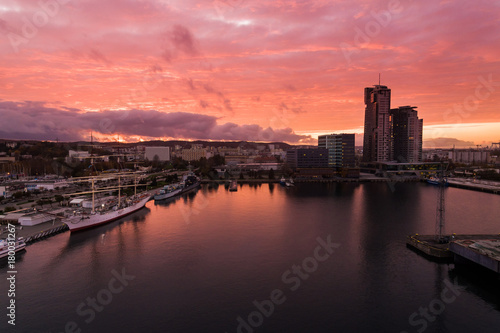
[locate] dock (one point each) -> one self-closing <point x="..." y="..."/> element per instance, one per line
<point x="475" y="185"/>
<point x="37" y="232"/>
<point x="483" y="250"/>
<point x="428" y="245"/>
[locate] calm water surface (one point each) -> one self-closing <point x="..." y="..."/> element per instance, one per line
<point x="199" y="263"/>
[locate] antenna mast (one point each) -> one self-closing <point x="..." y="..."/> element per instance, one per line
<point x="379" y="79"/>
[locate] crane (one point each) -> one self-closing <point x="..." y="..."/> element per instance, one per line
<point x="440" y="209"/>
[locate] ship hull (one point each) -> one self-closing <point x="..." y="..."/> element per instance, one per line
<point x="436" y="182"/>
<point x="167" y="195"/>
<point x="4" y="251"/>
<point x="78" y="223"/>
<point x="190" y="187"/>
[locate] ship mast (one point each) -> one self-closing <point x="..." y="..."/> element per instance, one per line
<point x="119" y="192"/>
<point x="93" y="196"/>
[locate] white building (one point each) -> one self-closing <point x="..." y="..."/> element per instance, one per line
<point x="4" y="192"/>
<point x="163" y="153"/>
<point x="45" y="185"/>
<point x="470" y="156"/>
<point x="77" y="155"/>
<point x="34" y="218"/>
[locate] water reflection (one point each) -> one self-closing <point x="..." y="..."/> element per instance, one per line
<point x="202" y="258"/>
<point x="5" y="260"/>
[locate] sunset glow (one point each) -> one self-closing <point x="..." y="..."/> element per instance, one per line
<point x="245" y="69"/>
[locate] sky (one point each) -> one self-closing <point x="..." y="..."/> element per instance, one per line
<point x="258" y="70"/>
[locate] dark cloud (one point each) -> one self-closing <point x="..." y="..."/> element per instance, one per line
<point x="211" y="90"/>
<point x="226" y="102"/>
<point x="97" y="56"/>
<point x="190" y="84"/>
<point x="183" y="40"/>
<point x="179" y="40"/>
<point x="35" y="120"/>
<point x="283" y="107"/>
<point x="204" y="104"/>
<point x="155" y="68"/>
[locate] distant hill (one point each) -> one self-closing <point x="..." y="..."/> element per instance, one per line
<point x="170" y="143"/>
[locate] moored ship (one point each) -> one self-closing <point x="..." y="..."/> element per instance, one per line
<point x="6" y="246"/>
<point x="189" y="182"/>
<point x="436" y="181"/>
<point x="168" y="191"/>
<point x="83" y="219"/>
<point x="110" y="210"/>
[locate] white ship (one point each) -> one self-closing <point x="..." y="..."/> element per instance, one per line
<point x="18" y="245"/>
<point x="84" y="218"/>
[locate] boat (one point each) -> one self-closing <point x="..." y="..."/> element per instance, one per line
<point x="84" y="219"/>
<point x="168" y="191"/>
<point x="436" y="181"/>
<point x="286" y="183"/>
<point x="108" y="211"/>
<point x="189" y="182"/>
<point x="6" y="246"/>
<point x="234" y="186"/>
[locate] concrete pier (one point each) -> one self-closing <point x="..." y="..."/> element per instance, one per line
<point x="37" y="232"/>
<point x="475" y="185"/>
<point x="483" y="250"/>
<point x="428" y="245"/>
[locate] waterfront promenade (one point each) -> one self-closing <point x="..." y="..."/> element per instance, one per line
<point x="475" y="184"/>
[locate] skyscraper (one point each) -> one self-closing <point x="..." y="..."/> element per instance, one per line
<point x="340" y="149"/>
<point x="377" y="134"/>
<point x="406" y="134"/>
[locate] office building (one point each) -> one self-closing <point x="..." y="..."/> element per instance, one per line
<point x="340" y="149"/>
<point x="406" y="135"/>
<point x="307" y="158"/>
<point x="194" y="154"/>
<point x="377" y="133"/>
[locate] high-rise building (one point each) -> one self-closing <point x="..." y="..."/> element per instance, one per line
<point x="406" y="135"/>
<point x="377" y="135"/>
<point x="340" y="149"/>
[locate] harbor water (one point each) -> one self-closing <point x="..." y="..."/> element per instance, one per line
<point x="317" y="257"/>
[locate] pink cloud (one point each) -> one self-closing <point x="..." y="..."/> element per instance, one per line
<point x="214" y="57"/>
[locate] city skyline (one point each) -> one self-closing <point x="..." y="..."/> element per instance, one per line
<point x="245" y="70"/>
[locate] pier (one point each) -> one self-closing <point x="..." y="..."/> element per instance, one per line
<point x="38" y="232"/>
<point x="475" y="185"/>
<point x="483" y="250"/>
